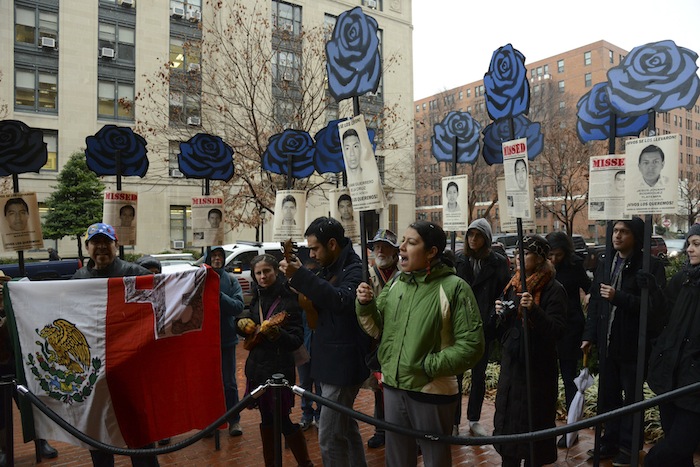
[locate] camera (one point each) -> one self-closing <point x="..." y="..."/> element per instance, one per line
<point x="509" y="308"/>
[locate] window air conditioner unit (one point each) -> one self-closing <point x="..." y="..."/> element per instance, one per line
<point x="178" y="244"/>
<point x="193" y="67"/>
<point x="287" y="76"/>
<point x="107" y="52"/>
<point x="194" y="121"/>
<point x="372" y="3"/>
<point x="194" y="15"/>
<point x="175" y="173"/>
<point x="48" y="42"/>
<point x="177" y="12"/>
<point x="288" y="27"/>
<point x="126" y="3"/>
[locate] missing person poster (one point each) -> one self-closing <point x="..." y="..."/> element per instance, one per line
<point x="606" y="187"/>
<point x="515" y="168"/>
<point x="207" y="221"/>
<point x="509" y="223"/>
<point x="22" y="227"/>
<point x="290" y="212"/>
<point x="342" y="208"/>
<point x="651" y="184"/>
<point x="455" y="203"/>
<point x="360" y="165"/>
<point x="119" y="211"/>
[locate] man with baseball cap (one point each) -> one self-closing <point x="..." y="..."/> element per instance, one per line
<point x="102" y="248"/>
<point x="385" y="247"/>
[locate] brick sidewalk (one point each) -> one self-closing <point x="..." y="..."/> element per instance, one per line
<point x="245" y="451"/>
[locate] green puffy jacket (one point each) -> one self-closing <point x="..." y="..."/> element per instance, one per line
<point x="431" y="330"/>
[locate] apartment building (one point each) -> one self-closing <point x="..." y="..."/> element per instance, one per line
<point x="564" y="79"/>
<point x="69" y="68"/>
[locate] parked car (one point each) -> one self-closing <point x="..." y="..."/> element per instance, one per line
<point x="580" y="246"/>
<point x="44" y="270"/>
<point x="658" y="247"/>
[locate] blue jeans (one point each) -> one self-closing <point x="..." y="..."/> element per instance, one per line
<point x="338" y="434"/>
<point x="228" y="372"/>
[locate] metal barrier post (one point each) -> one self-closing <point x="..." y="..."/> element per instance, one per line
<point x="278" y="383"/>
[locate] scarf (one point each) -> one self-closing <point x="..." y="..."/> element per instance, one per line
<point x="692" y="274"/>
<point x="535" y="282"/>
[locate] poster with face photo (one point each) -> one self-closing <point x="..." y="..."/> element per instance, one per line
<point x="606" y="187"/>
<point x="119" y="210"/>
<point x="360" y="165"/>
<point x="509" y="223"/>
<point x="207" y="221"/>
<point x="455" y="203"/>
<point x="515" y="168"/>
<point x="21" y="229"/>
<point x="290" y="212"/>
<point x="651" y="183"/>
<point x="342" y="208"/>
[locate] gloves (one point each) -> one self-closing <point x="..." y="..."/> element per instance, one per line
<point x="246" y="325"/>
<point x="646" y="280"/>
<point x="271" y="332"/>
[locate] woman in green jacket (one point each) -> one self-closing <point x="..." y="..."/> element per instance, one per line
<point x="431" y="330"/>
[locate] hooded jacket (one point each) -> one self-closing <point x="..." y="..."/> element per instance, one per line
<point x="431" y="330"/>
<point x="230" y="304"/>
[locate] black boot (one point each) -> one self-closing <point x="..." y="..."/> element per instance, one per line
<point x="267" y="434"/>
<point x="297" y="443"/>
<point x="45" y="449"/>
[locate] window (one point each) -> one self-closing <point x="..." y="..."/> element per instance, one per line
<point x="539" y="71"/>
<point x="184" y="53"/>
<point x="461" y="95"/>
<point x="469" y="93"/>
<point x="181" y="224"/>
<point x="285" y="66"/>
<point x="51" y="140"/>
<point x="119" y="38"/>
<point x="587" y="58"/>
<point x="286" y="17"/>
<point x="394" y="217"/>
<point x="36" y="90"/>
<point x="26" y="29"/>
<point x="546" y="69"/>
<point x="115" y="100"/>
<point x="560" y="66"/>
<point x="562" y="105"/>
<point x="588" y="80"/>
<point x="183" y="106"/>
<point x="611" y="56"/>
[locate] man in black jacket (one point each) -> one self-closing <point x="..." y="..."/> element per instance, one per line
<point x="613" y="317"/>
<point x="487" y="273"/>
<point x="339" y="347"/>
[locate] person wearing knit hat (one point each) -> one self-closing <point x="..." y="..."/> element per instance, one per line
<point x="612" y="324"/>
<point x="545" y="301"/>
<point x="572" y="276"/>
<point x="487" y="272"/>
<point x="674" y="362"/>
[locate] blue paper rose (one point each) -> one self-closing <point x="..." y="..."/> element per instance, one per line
<point x="465" y="129"/>
<point x="659" y="76"/>
<point x="22" y="149"/>
<point x="291" y="143"/>
<point x="353" y="62"/>
<point x="103" y="147"/>
<point x="499" y="132"/>
<point x="328" y="156"/>
<point x="206" y="156"/>
<point x="593" y="117"/>
<point x="506" y="85"/>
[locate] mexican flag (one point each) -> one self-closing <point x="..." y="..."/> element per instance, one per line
<point x="127" y="360"/>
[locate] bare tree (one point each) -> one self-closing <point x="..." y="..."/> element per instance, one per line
<point x="689" y="202"/>
<point x="259" y="75"/>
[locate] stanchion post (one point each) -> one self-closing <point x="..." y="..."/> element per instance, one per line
<point x="8" y="386"/>
<point x="277" y="386"/>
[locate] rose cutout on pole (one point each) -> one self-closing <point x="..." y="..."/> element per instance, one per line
<point x="459" y="126"/>
<point x="353" y="62"/>
<point x="22" y="149"/>
<point x="593" y="117"/>
<point x="328" y="156"/>
<point x="498" y="132"/>
<point x="296" y="144"/>
<point x="206" y="156"/>
<point x="659" y="76"/>
<point x="103" y="148"/>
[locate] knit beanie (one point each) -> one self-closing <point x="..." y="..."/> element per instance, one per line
<point x="536" y="244"/>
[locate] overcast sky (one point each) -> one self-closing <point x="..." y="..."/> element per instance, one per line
<point x="453" y="40"/>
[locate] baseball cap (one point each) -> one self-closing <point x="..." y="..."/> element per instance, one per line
<point x="101" y="229"/>
<point x="384" y="235"/>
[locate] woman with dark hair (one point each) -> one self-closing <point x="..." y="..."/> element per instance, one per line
<point x="545" y="300"/>
<point x="430" y="330"/>
<point x="274" y="352"/>
<point x="571" y="275"/>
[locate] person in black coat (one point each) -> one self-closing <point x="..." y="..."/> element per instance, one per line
<point x="675" y="362"/>
<point x="545" y="300"/>
<point x="273" y="353"/>
<point x="571" y="275"/>
<point x="613" y="317"/>
<point x="486" y="271"/>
